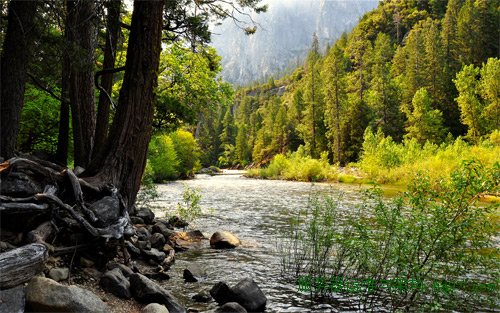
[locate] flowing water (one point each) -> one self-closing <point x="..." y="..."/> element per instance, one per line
<point x="256" y="211"/>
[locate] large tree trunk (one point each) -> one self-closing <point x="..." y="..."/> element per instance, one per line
<point x="81" y="40"/>
<point x="126" y="149"/>
<point x="113" y="29"/>
<point x="63" y="136"/>
<point x="16" y="54"/>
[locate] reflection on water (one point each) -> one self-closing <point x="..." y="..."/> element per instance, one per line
<point x="255" y="211"/>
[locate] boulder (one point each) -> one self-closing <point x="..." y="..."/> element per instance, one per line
<point x="224" y="240"/>
<point x="19" y="186"/>
<point x="132" y="248"/>
<point x="146" y="214"/>
<point x="46" y="295"/>
<point x="107" y="210"/>
<point x="248" y="294"/>
<point x="154" y="308"/>
<point x="231" y="307"/>
<point x="59" y="274"/>
<point x="154" y="255"/>
<point x="13" y="300"/>
<point x="136" y="220"/>
<point x="126" y="271"/>
<point x="115" y="282"/>
<point x="157" y="241"/>
<point x="143" y="233"/>
<point x="185" y="240"/>
<point x="221" y="293"/>
<point x="163" y="229"/>
<point x="201" y="297"/>
<point x="146" y="291"/>
<point x="143" y="245"/>
<point x="193" y="273"/>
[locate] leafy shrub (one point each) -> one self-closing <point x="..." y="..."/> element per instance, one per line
<point x="148" y="193"/>
<point x="188" y="152"/>
<point x="435" y="232"/>
<point x="190" y="208"/>
<point x="163" y="158"/>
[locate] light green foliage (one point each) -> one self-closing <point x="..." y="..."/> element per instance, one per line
<point x="385" y="161"/>
<point x="188" y="152"/>
<point x="39" y="122"/>
<point x="490" y="92"/>
<point x="435" y="232"/>
<point x="424" y="123"/>
<point x="190" y="208"/>
<point x="298" y="166"/>
<point x="163" y="158"/>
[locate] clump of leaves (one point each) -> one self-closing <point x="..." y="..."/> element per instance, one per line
<point x="189" y="209"/>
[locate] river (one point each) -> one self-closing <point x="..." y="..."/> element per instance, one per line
<point x="255" y="211"/>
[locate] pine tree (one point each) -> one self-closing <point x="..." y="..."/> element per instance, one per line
<point x="424" y="123"/>
<point x="470" y="104"/>
<point x="334" y="89"/>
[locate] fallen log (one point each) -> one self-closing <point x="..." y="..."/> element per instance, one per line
<point x="42" y="233"/>
<point x="20" y="265"/>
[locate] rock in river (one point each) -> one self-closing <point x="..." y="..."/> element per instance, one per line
<point x="224" y="240"/>
<point x="231" y="307"/>
<point x="147" y="291"/>
<point x="246" y="292"/>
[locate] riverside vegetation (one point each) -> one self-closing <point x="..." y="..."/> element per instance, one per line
<point x="434" y="232"/>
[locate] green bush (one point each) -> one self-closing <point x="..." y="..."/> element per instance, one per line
<point x="188" y="152"/>
<point x="434" y="233"/>
<point x="163" y="158"/>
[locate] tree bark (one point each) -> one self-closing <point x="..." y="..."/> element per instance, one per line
<point x="81" y="44"/>
<point x="63" y="136"/>
<point x="16" y="55"/>
<point x="112" y="32"/>
<point x="126" y="148"/>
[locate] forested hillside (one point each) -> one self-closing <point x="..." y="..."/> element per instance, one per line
<point x="418" y="71"/>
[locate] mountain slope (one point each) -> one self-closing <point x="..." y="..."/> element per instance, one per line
<point x="283" y="36"/>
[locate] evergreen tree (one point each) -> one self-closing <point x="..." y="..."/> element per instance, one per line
<point x="334" y="73"/>
<point x="424" y="123"/>
<point x="470" y="104"/>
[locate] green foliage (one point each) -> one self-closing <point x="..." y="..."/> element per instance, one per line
<point x="190" y="208"/>
<point x="435" y="232"/>
<point x="39" y="122"/>
<point x="148" y="193"/>
<point x="163" y="159"/>
<point x="188" y="152"/>
<point x="386" y="161"/>
<point x="174" y="155"/>
<point x="297" y="166"/>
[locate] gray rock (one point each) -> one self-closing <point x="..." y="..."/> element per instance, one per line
<point x="46" y="295"/>
<point x="115" y="282"/>
<point x="154" y="255"/>
<point x="248" y="294"/>
<point x="201" y="297"/>
<point x="107" y="210"/>
<point x="224" y="240"/>
<point x="161" y="228"/>
<point x="143" y="245"/>
<point x="146" y="214"/>
<point x="143" y="233"/>
<point x="59" y="274"/>
<point x="231" y="307"/>
<point x="13" y="300"/>
<point x="147" y="291"/>
<point x="132" y="248"/>
<point x="136" y="220"/>
<point x="157" y="241"/>
<point x="193" y="273"/>
<point x="221" y="293"/>
<point x="126" y="271"/>
<point x="154" y="308"/>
